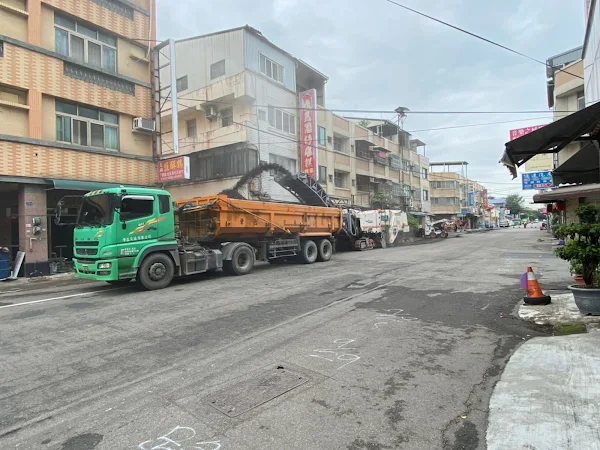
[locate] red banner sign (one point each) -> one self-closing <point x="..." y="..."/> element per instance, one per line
<point x="308" y="133"/>
<point x="514" y="134"/>
<point x="174" y="169"/>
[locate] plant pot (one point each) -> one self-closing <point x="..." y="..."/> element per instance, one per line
<point x="579" y="280"/>
<point x="586" y="299"/>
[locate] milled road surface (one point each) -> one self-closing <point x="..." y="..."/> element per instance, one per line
<point x="385" y="349"/>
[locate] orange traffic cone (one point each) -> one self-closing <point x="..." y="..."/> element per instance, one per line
<point x="535" y="296"/>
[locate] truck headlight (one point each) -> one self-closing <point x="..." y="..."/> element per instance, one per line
<point x="104" y="266"/>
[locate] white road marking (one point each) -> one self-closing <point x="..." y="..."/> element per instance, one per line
<point x="485" y="307"/>
<point x="58" y="298"/>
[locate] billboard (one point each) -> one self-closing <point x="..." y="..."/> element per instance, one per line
<point x="174" y="169"/>
<point x="308" y="133"/>
<point x="485" y="198"/>
<point x="471" y="201"/>
<point x="517" y="133"/>
<point x="537" y="180"/>
<point x="539" y="162"/>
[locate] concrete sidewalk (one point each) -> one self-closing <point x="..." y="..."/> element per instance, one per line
<point x="548" y="396"/>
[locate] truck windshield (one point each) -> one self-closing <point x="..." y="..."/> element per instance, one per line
<point x="96" y="211"/>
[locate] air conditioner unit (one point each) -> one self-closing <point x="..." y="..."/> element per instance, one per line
<point x="211" y="112"/>
<point x="145" y="125"/>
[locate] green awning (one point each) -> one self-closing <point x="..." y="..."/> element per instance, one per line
<point x="87" y="186"/>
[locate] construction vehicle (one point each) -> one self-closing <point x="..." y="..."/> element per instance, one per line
<point x="139" y="233"/>
<point x="385" y="227"/>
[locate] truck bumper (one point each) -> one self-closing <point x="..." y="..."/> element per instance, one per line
<point x="101" y="270"/>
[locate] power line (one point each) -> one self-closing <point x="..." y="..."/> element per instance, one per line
<point x="476" y="125"/>
<point x="371" y="111"/>
<point x="462" y="30"/>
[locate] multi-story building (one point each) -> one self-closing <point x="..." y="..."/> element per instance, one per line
<point x="453" y="195"/>
<point x="73" y="76"/>
<point x="237" y="107"/>
<point x="375" y="163"/>
<point x="565" y="95"/>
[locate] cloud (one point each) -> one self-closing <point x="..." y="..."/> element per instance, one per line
<point x="378" y="56"/>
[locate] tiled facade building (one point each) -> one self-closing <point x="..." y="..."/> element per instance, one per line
<point x="73" y="76"/>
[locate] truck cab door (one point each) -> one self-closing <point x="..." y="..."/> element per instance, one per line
<point x="139" y="223"/>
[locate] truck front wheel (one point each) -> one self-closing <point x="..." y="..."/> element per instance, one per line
<point x="325" y="250"/>
<point x="242" y="261"/>
<point x="310" y="252"/>
<point x="156" y="272"/>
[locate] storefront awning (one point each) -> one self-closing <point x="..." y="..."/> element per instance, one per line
<point x="553" y="137"/>
<point x="582" y="167"/>
<point x="564" y="193"/>
<point x="87" y="186"/>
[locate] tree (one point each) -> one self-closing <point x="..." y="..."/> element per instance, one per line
<point x="514" y="202"/>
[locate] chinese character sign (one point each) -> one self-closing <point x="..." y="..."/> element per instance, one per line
<point x="485" y="198"/>
<point x="174" y="169"/>
<point x="308" y="132"/>
<point x="514" y="134"/>
<point x="537" y="180"/>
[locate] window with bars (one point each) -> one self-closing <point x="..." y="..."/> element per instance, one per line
<point x="445" y="201"/>
<point x="80" y="125"/>
<point x="85" y="43"/>
<point x="191" y="127"/>
<point x="217" y="69"/>
<point x="182" y="83"/>
<point x="282" y="120"/>
<point x="340" y="179"/>
<point x="271" y="69"/>
<point x="222" y="163"/>
<point x="226" y="117"/>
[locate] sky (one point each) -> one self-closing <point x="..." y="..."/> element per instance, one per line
<point x="379" y="56"/>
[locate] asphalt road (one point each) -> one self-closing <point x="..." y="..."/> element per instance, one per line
<point x="384" y="349"/>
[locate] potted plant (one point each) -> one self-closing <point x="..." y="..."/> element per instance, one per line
<point x="582" y="249"/>
<point x="576" y="270"/>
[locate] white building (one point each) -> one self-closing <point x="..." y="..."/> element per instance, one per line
<point x="237" y="105"/>
<point x="591" y="52"/>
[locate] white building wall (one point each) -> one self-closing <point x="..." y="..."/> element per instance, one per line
<point x="269" y="140"/>
<point x="255" y="46"/>
<point x="195" y="56"/>
<point x="591" y="60"/>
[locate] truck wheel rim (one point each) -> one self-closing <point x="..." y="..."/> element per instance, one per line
<point x="310" y="251"/>
<point x="157" y="271"/>
<point x="243" y="260"/>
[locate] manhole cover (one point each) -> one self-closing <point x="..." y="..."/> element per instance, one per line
<point x="242" y="397"/>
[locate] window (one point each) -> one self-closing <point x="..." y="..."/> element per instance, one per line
<point x="217" y="69"/>
<point x="397" y="189"/>
<point x="136" y="207"/>
<point x="84" y="43"/>
<point x="282" y="120"/>
<point x="425" y="173"/>
<point x="271" y="69"/>
<point x="363" y="151"/>
<point x="222" y="163"/>
<point x="322" y="136"/>
<point x="340" y="144"/>
<point x="182" y="84"/>
<point x="395" y="162"/>
<point x="262" y="115"/>
<point x="322" y="175"/>
<point x="288" y="163"/>
<point x="446" y="201"/>
<point x="85" y="126"/>
<point x="227" y="117"/>
<point x="340" y="179"/>
<point x="580" y="101"/>
<point x="164" y="204"/>
<point x="191" y="127"/>
<point x="13" y="95"/>
<point x="425" y="195"/>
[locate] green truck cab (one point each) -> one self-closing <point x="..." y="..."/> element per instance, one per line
<point x="117" y="228"/>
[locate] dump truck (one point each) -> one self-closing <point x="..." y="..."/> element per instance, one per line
<point x="140" y="233"/>
<point x="387" y="227"/>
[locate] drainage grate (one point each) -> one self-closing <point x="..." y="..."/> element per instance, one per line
<point x="235" y="400"/>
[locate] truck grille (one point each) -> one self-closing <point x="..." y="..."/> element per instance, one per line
<point x="86" y="243"/>
<point x="87" y="251"/>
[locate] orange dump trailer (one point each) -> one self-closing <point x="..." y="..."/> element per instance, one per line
<point x="222" y="232"/>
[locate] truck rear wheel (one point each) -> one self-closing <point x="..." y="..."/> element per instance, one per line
<point x="381" y="241"/>
<point x="156" y="272"/>
<point x="325" y="250"/>
<point x="242" y="261"/>
<point x="310" y="252"/>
